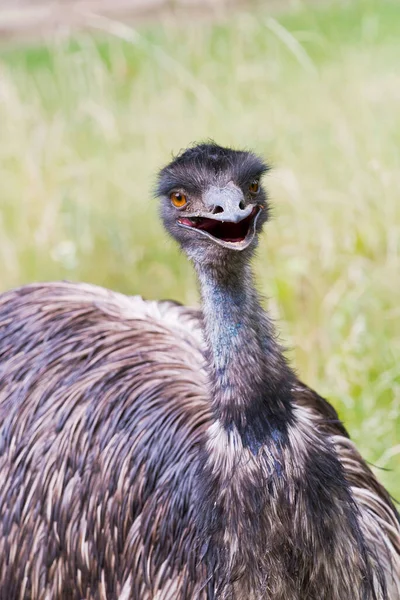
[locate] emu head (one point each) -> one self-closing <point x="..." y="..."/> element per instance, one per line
<point x="213" y="202"/>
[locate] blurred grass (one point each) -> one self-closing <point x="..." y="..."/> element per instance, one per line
<point x="85" y="124"/>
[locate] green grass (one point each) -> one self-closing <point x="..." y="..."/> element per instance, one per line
<point x="86" y="123"/>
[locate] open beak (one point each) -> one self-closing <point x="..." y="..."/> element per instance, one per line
<point x="231" y="229"/>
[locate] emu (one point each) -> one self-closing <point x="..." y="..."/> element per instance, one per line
<point x="150" y="451"/>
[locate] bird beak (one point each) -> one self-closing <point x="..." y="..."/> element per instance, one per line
<point x="227" y="220"/>
<point x="226" y="204"/>
<point x="233" y="234"/>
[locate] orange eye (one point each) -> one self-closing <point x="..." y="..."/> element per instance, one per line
<point x="178" y="199"/>
<point x="254" y="186"/>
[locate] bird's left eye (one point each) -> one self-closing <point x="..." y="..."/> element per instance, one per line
<point x="254" y="186"/>
<point x="178" y="199"/>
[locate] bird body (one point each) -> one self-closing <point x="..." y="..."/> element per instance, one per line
<point x="99" y="435"/>
<point x="153" y="452"/>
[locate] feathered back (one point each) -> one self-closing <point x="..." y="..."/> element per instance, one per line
<point x="102" y="406"/>
<point x="104" y="414"/>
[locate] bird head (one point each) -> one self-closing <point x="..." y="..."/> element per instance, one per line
<point x="212" y="201"/>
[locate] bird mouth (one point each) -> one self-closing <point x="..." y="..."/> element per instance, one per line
<point x="227" y="233"/>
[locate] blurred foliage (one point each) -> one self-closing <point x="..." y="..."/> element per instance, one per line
<point x="86" y="123"/>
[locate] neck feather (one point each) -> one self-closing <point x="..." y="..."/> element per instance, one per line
<point x="261" y="466"/>
<point x="251" y="382"/>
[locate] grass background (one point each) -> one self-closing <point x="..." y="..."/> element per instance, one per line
<point x="86" y="122"/>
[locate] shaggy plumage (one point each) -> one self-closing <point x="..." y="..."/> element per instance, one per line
<point x="152" y="452"/>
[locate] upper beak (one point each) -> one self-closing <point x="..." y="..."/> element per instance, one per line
<point x="226" y="204"/>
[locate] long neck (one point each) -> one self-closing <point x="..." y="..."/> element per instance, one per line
<point x="249" y="376"/>
<point x="261" y="467"/>
<point x="242" y="454"/>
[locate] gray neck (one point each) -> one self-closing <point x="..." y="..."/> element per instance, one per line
<point x="249" y="375"/>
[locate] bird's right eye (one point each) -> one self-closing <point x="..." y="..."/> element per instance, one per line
<point x="178" y="199"/>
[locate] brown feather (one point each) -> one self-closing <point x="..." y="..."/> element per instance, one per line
<point x="104" y="404"/>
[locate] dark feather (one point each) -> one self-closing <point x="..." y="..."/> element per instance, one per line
<point x="104" y="407"/>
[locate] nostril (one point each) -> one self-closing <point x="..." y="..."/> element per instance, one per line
<point x="241" y="204"/>
<point x="217" y="209"/>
